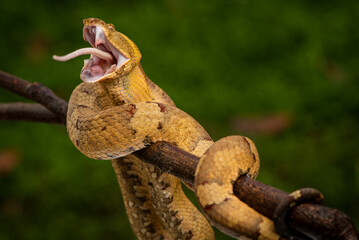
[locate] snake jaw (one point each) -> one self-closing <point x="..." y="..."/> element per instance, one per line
<point x="97" y="68"/>
<point x="113" y="54"/>
<point x="105" y="58"/>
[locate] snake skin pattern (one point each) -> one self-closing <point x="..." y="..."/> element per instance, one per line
<point x="118" y="110"/>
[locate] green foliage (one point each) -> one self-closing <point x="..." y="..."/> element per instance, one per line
<point x="218" y="60"/>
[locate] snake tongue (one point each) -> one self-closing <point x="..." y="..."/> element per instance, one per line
<point x="105" y="58"/>
<point x="83" y="51"/>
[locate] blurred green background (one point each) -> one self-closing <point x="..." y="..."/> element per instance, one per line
<point x="284" y="73"/>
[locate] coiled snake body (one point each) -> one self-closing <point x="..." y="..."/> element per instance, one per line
<point x="118" y="110"/>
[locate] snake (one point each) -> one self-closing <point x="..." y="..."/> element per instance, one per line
<point x="118" y="110"/>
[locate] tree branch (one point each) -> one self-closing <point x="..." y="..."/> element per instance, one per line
<point x="36" y="92"/>
<point x="311" y="219"/>
<point x="28" y="112"/>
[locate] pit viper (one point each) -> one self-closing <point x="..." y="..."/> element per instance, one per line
<point x="118" y="110"/>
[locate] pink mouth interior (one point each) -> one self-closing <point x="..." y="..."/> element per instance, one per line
<point x="105" y="58"/>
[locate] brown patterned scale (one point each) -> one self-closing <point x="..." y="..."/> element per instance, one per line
<point x="118" y="110"/>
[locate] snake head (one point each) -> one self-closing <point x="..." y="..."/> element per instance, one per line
<point x="113" y="54"/>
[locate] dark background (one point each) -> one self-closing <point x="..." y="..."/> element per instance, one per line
<point x="284" y="73"/>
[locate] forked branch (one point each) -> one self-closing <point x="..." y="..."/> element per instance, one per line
<point x="36" y="92"/>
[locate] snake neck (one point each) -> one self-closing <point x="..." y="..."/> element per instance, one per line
<point x="130" y="88"/>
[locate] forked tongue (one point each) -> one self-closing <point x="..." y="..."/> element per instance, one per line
<point x="83" y="51"/>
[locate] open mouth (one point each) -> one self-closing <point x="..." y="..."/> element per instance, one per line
<point x="105" y="58"/>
